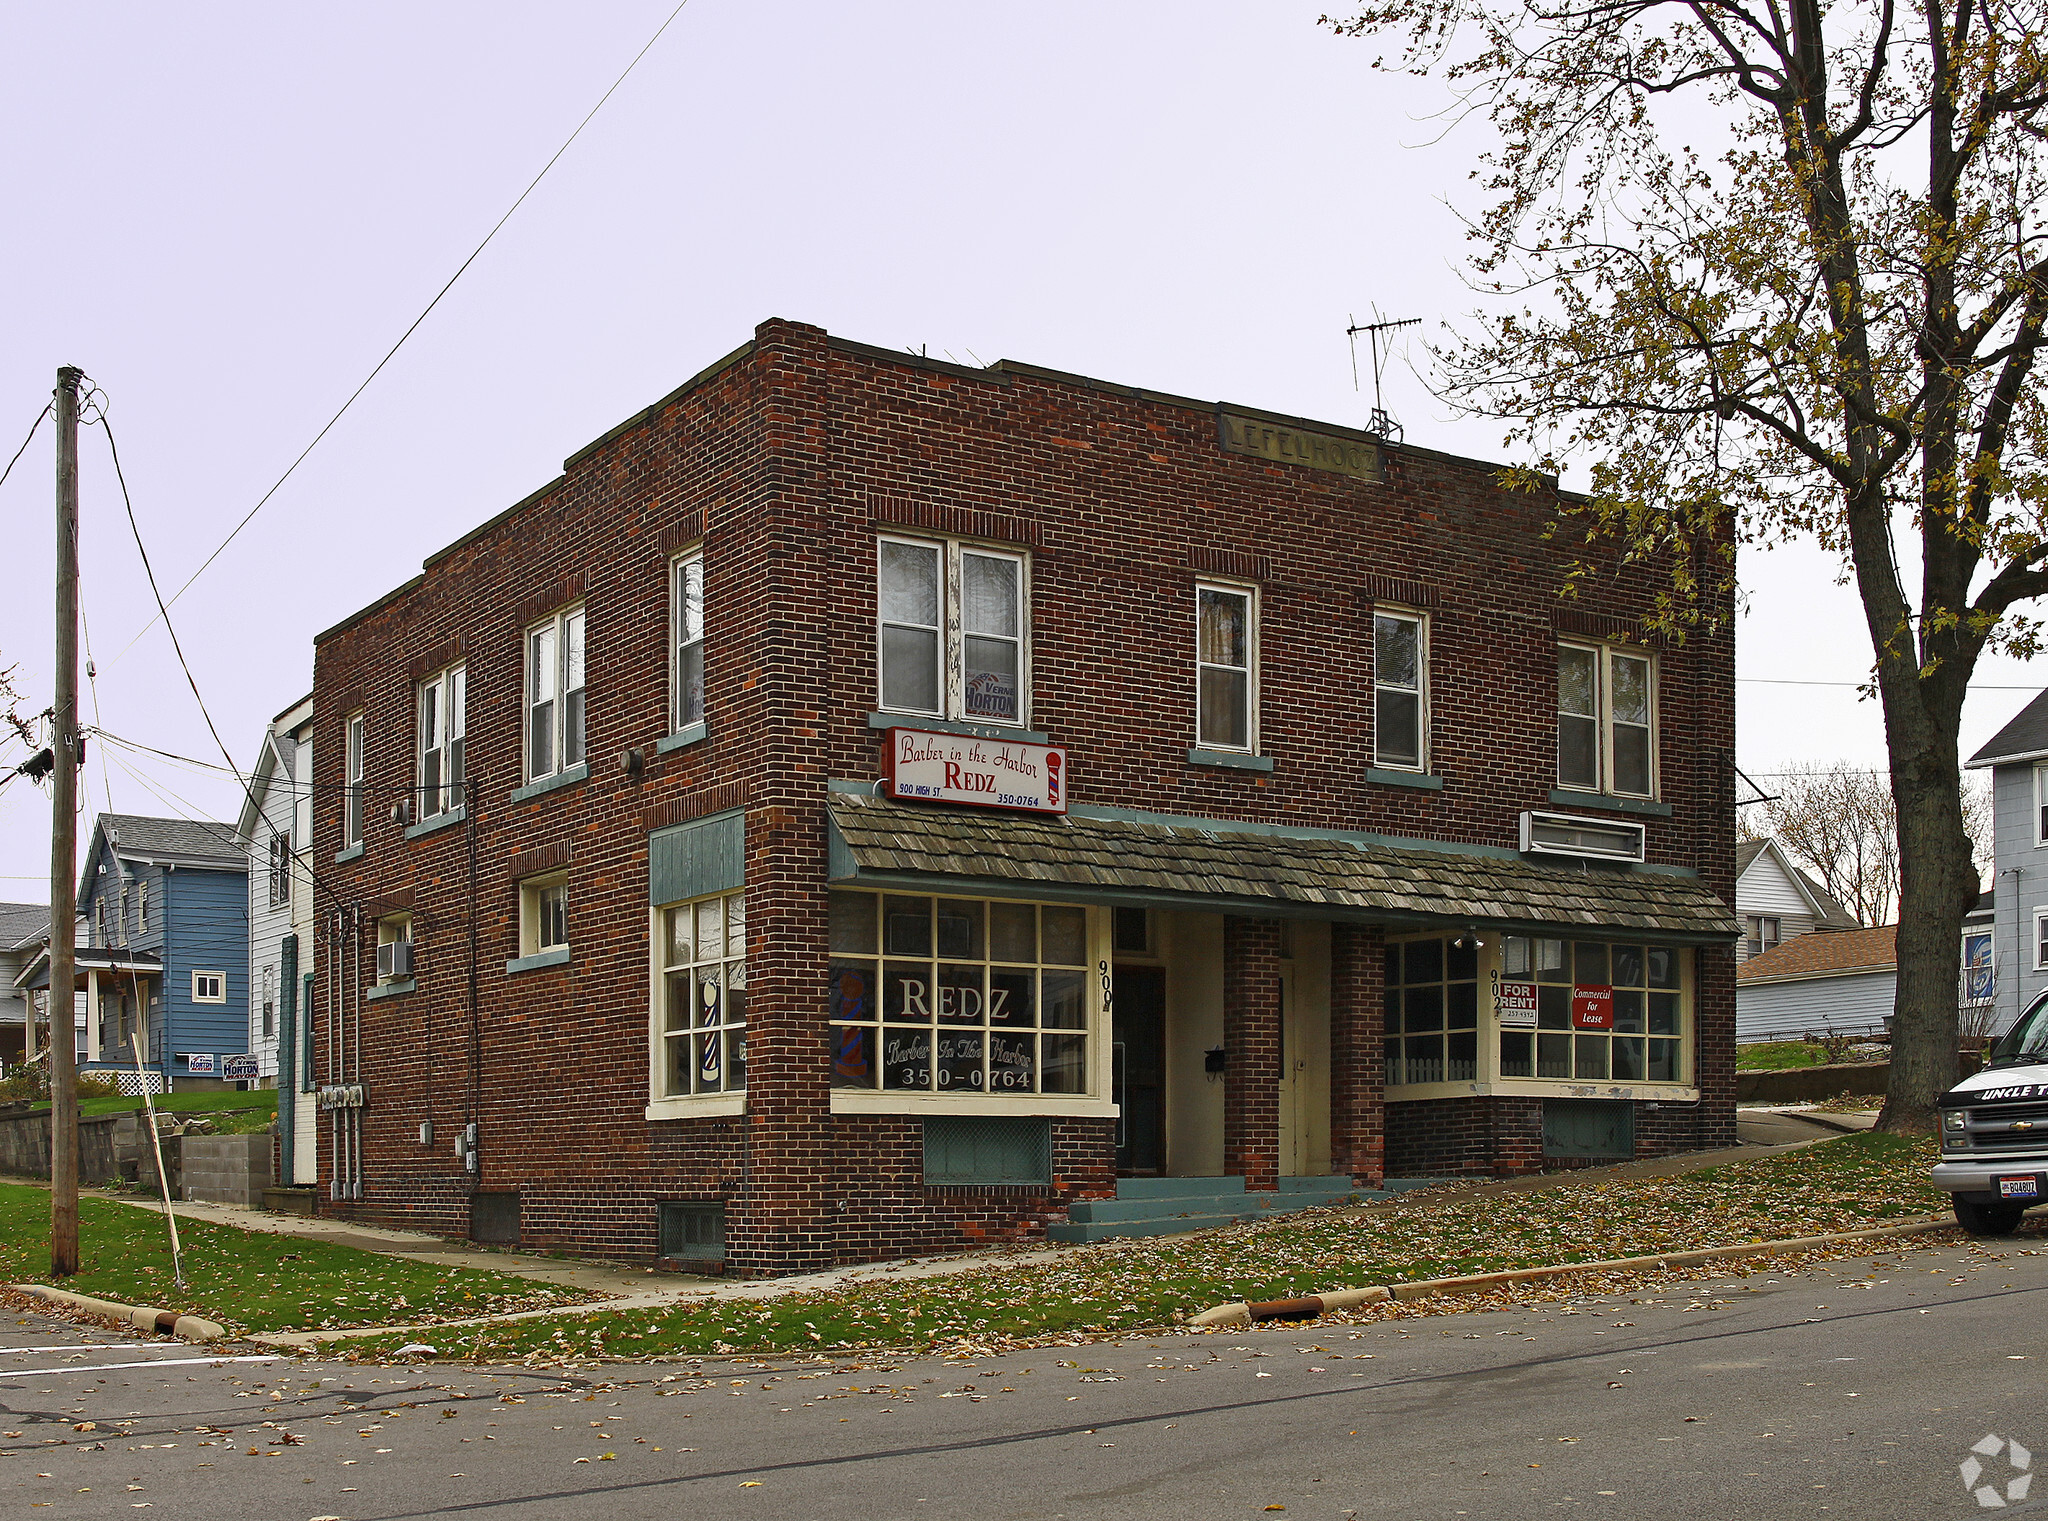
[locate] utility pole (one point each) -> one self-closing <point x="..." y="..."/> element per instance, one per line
<point x="64" y="848"/>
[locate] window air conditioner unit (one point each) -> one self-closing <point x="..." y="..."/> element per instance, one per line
<point x="394" y="959"/>
<point x="1560" y="834"/>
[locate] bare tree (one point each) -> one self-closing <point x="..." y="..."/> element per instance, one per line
<point x="1779" y="269"/>
<point x="1840" y="823"/>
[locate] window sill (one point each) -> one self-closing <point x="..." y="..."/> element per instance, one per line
<point x="558" y="956"/>
<point x="576" y="773"/>
<point x="436" y="821"/>
<point x="689" y="734"/>
<point x="347" y="855"/>
<point x="1066" y="1105"/>
<point x="1230" y="760"/>
<point x="1545" y="1087"/>
<point x="389" y="990"/>
<point x="697" y="1106"/>
<point x="947" y="726"/>
<point x="1564" y="797"/>
<point x="1422" y="781"/>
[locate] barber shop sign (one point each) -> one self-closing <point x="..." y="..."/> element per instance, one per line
<point x="988" y="773"/>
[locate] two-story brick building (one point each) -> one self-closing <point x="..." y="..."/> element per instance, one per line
<point x="663" y="907"/>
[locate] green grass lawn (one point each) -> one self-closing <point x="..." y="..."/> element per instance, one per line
<point x="1770" y="1054"/>
<point x="249" y="1280"/>
<point x="1840" y="1185"/>
<point x="227" y="1102"/>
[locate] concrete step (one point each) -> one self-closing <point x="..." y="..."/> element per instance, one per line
<point x="1124" y="1229"/>
<point x="1317" y="1185"/>
<point x="1102" y="1211"/>
<point x="1177" y="1188"/>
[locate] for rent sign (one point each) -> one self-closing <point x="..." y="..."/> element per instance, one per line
<point x="989" y="773"/>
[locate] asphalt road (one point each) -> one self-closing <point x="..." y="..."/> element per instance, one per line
<point x="1856" y="1392"/>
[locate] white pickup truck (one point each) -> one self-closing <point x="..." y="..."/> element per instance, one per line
<point x="1994" y="1131"/>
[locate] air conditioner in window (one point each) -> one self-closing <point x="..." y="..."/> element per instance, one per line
<point x="394" y="959"/>
<point x="1560" y="834"/>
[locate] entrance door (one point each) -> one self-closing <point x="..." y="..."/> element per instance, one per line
<point x="1138" y="1068"/>
<point x="1304" y="1088"/>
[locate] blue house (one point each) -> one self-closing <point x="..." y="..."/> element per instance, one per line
<point x="163" y="951"/>
<point x="2005" y="941"/>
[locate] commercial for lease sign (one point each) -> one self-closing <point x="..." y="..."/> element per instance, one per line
<point x="988" y="773"/>
<point x="1592" y="1007"/>
<point x="1514" y="1004"/>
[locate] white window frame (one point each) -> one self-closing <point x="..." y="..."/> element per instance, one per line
<point x="1420" y="691"/>
<point x="441" y="706"/>
<point x="1250" y="593"/>
<point x="2041" y="803"/>
<point x="952" y="635"/>
<point x="355" y="743"/>
<point x="557" y="627"/>
<point x="1604" y="656"/>
<point x="536" y="896"/>
<point x="280" y="869"/>
<point x="726" y="1097"/>
<point x="2040" y="939"/>
<point x="391" y="927"/>
<point x="142" y="910"/>
<point x="216" y="981"/>
<point x="686" y="639"/>
<point x="1754" y="932"/>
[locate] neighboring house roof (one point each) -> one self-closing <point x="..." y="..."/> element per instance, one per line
<point x="21" y="923"/>
<point x="1834" y="915"/>
<point x="2025" y="738"/>
<point x="1747" y="851"/>
<point x="1983" y="910"/>
<point x="1842" y="953"/>
<point x="273" y="757"/>
<point x="137" y="837"/>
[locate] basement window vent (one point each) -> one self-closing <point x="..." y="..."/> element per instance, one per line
<point x="494" y="1219"/>
<point x="693" y="1232"/>
<point x="968" y="1149"/>
<point x="1589" y="1128"/>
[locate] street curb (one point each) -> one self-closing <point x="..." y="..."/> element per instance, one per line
<point x="1241" y="1313"/>
<point x="142" y="1317"/>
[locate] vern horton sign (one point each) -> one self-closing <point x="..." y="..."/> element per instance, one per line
<point x="989" y="773"/>
<point x="1298" y="446"/>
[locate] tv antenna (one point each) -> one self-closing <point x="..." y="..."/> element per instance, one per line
<point x="1381" y="425"/>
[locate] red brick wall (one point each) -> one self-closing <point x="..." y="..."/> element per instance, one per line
<point x="1251" y="1041"/>
<point x="1357" y="1057"/>
<point x="789" y="461"/>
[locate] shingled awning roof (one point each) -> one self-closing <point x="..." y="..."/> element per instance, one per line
<point x="1220" y="867"/>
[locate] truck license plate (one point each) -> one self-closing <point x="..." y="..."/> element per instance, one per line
<point x="2019" y="1188"/>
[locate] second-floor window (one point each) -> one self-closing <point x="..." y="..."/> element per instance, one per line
<point x="280" y="870"/>
<point x="1606" y="720"/>
<point x="951" y="631"/>
<point x="1763" y="933"/>
<point x="142" y="910"/>
<point x="1400" y="668"/>
<point x="444" y="699"/>
<point x="1226" y="657"/>
<point x="688" y="616"/>
<point x="554" y="695"/>
<point x="352" y="786"/>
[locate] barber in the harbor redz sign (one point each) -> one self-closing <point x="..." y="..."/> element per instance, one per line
<point x="1592" y="1008"/>
<point x="989" y="773"/>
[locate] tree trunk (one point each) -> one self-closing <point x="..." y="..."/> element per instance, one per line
<point x="1937" y="886"/>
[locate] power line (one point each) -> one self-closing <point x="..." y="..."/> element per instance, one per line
<point x="1786" y="681"/>
<point x="18" y="453"/>
<point x="422" y="317"/>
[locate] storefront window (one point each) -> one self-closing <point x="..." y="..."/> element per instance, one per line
<point x="704" y="1011"/>
<point x="1609" y="1013"/>
<point x="955" y="995"/>
<point x="1432" y="1011"/>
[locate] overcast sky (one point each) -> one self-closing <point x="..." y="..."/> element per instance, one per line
<point x="226" y="214"/>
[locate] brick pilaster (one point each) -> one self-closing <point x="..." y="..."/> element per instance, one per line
<point x="1251" y="1035"/>
<point x="1357" y="1056"/>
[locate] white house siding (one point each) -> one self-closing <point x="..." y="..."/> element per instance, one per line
<point x="305" y="1116"/>
<point x="1765" y="889"/>
<point x="1851" y="1004"/>
<point x="267" y="925"/>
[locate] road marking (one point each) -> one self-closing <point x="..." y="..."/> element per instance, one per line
<point x="11" y="1374"/>
<point x="89" y="1346"/>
